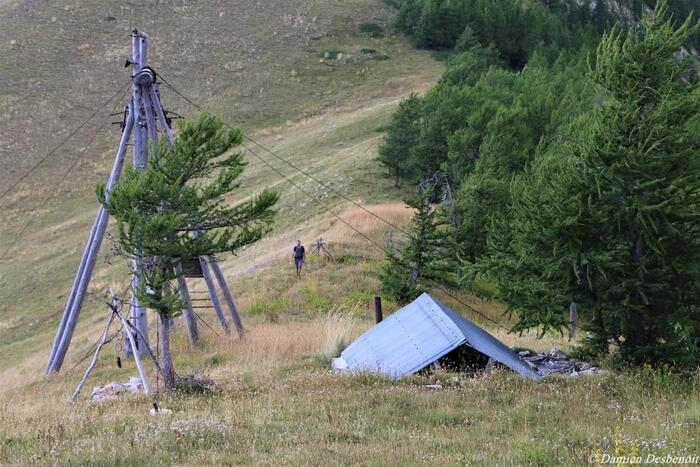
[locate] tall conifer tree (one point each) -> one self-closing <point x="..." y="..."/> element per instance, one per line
<point x="425" y="259"/>
<point x="613" y="223"/>
<point x="175" y="210"/>
<point x="402" y="135"/>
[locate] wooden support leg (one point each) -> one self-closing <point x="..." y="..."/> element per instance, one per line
<point x="227" y="295"/>
<point x="212" y="293"/>
<point x="159" y="112"/>
<point x="150" y="121"/>
<point x="73" y="290"/>
<point x="65" y="333"/>
<point x="188" y="312"/>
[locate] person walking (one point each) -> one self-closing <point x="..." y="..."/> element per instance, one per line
<point x="299" y="255"/>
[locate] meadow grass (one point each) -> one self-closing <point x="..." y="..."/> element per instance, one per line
<point x="278" y="403"/>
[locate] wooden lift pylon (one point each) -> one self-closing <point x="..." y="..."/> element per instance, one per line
<point x="144" y="120"/>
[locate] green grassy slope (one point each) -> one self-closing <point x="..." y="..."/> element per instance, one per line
<point x="257" y="65"/>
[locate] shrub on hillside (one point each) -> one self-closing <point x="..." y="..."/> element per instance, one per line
<point x="373" y="29"/>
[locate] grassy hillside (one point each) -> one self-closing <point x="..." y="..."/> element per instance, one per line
<point x="258" y="65"/>
<point x="255" y="65"/>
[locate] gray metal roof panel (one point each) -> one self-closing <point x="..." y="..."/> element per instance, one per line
<point x="406" y="341"/>
<point x="485" y="343"/>
<point x="419" y="334"/>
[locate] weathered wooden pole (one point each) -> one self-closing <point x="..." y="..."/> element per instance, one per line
<point x="84" y="273"/>
<point x="139" y="54"/>
<point x="158" y="105"/>
<point x="145" y="108"/>
<point x="573" y="320"/>
<point x="137" y="359"/>
<point x="378" y="317"/>
<point x="91" y="366"/>
<point x="227" y="295"/>
<point x="71" y="296"/>
<point x="187" y="312"/>
<point x="211" y="286"/>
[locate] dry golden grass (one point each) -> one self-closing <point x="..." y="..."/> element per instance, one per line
<point x="269" y="346"/>
<point x="336" y="232"/>
<point x="277" y="405"/>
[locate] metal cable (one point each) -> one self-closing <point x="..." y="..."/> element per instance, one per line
<point x="295" y="167"/>
<point x="206" y="324"/>
<point x="53" y="193"/>
<point x="383" y="249"/>
<point x="92" y="348"/>
<point x="57" y="147"/>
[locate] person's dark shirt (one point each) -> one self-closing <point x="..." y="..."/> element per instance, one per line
<point x="299" y="251"/>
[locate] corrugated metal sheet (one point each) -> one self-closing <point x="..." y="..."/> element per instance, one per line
<point x="419" y="334"/>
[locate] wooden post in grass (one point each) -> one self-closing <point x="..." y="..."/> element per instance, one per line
<point x="573" y="320"/>
<point x="378" y="317"/>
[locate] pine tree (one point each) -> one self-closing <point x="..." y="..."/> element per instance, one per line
<point x="645" y="167"/>
<point x="612" y="223"/>
<point x="408" y="15"/>
<point x="402" y="135"/>
<point x="175" y="210"/>
<point x="440" y="24"/>
<point x="426" y="259"/>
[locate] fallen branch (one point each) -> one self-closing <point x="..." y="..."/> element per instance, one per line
<point x="94" y="359"/>
<point x="115" y="307"/>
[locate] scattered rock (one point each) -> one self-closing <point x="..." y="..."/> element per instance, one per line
<point x="592" y="371"/>
<point x="160" y="411"/>
<point x="114" y="390"/>
<point x="134" y="385"/>
<point x="374" y="54"/>
<point x="555" y="362"/>
<point x="433" y="386"/>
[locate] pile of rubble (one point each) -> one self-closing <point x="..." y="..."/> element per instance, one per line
<point x="555" y="362"/>
<point x="114" y="390"/>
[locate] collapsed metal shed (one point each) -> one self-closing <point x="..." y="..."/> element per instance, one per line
<point x="419" y="334"/>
